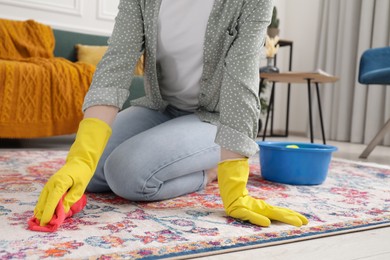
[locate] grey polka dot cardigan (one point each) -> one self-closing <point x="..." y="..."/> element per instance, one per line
<point x="230" y="79"/>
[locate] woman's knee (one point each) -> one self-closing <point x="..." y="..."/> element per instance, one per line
<point x="127" y="178"/>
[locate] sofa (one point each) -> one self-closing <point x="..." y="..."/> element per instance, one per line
<point x="43" y="81"/>
<point x="66" y="47"/>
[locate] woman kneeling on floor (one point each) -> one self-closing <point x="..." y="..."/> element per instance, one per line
<point x="198" y="120"/>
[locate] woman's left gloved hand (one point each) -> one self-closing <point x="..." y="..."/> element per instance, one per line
<point x="232" y="179"/>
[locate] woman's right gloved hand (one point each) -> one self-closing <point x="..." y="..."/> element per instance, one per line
<point x="74" y="176"/>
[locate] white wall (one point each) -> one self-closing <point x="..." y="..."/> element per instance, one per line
<point x="298" y="23"/>
<point x="87" y="16"/>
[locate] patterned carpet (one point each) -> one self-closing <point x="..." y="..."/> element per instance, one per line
<point x="354" y="197"/>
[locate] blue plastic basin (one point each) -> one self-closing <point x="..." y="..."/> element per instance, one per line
<point x="306" y="165"/>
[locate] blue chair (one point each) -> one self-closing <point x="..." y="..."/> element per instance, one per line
<point x="374" y="68"/>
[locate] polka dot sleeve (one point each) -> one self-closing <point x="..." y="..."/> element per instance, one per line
<point x="112" y="79"/>
<point x="239" y="101"/>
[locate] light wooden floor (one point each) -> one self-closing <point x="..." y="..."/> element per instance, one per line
<point x="371" y="245"/>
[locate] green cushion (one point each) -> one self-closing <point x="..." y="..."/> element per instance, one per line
<point x="65" y="47"/>
<point x="66" y="41"/>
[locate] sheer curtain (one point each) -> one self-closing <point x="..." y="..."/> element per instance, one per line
<point x="352" y="112"/>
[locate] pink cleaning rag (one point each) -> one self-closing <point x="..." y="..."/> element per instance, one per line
<point x="58" y="217"/>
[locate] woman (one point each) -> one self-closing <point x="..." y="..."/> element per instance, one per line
<point x="198" y="118"/>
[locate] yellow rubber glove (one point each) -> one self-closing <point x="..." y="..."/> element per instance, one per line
<point x="232" y="179"/>
<point x="74" y="176"/>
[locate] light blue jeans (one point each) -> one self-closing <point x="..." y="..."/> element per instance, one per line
<point x="154" y="155"/>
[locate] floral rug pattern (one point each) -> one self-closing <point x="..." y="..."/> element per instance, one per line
<point x="354" y="196"/>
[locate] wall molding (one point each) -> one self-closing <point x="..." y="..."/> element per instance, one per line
<point x="104" y="11"/>
<point x="82" y="29"/>
<point x="72" y="7"/>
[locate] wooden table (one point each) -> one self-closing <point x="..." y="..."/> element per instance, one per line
<point x="308" y="78"/>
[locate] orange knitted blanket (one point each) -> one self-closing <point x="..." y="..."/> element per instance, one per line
<point x="42" y="97"/>
<point x="39" y="95"/>
<point x="25" y="39"/>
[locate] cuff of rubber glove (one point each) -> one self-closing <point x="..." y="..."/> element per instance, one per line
<point x="225" y="163"/>
<point x="96" y="123"/>
<point x="58" y="217"/>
